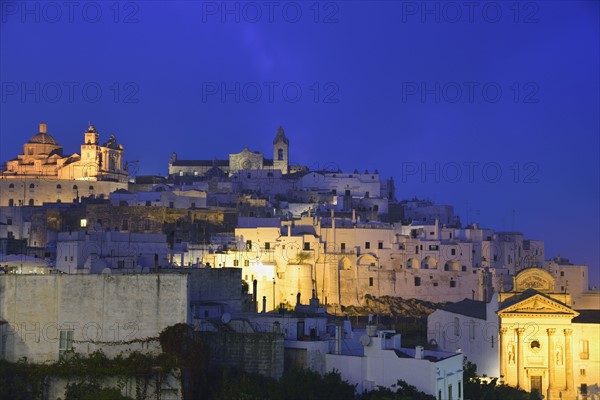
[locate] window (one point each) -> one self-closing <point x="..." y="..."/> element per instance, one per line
<point x="280" y="154"/>
<point x="433" y="247"/>
<point x="417" y="281"/>
<point x="334" y="192"/>
<point x="171" y="204"/>
<point x="11" y="187"/>
<point x="91" y="189"/>
<point x="31" y="187"/>
<point x="367" y="245"/>
<point x="343" y="247"/>
<point x="193" y="205"/>
<point x="347" y="192"/>
<point x="464" y="268"/>
<point x="246" y="263"/>
<point x="58" y="188"/>
<point x="416" y="249"/>
<point x="456" y="327"/>
<point x="75" y="188"/>
<point x="449" y="392"/>
<point x="30" y="202"/>
<point x="582" y="372"/>
<point x="147" y="225"/>
<point x="471" y="330"/>
<point x="148" y="203"/>
<point x="306" y="246"/>
<point x="585" y="350"/>
<point x="452" y="283"/>
<point x="11" y="202"/>
<point x="248" y="244"/>
<point x="65" y="342"/>
<point x="236" y="263"/>
<point x="380" y="245"/>
<point x="125" y="225"/>
<point x="453" y="252"/>
<point x="267" y="246"/>
<point x="584" y="390"/>
<point x="367" y="194"/>
<point x="495" y="257"/>
<point x="431" y="233"/>
<point x="8" y="221"/>
<point x="370" y="281"/>
<point x="562" y="273"/>
<point x="459" y="389"/>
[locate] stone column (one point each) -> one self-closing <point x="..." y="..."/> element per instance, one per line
<point x="568" y="360"/>
<point x="551" y="361"/>
<point x="520" y="359"/>
<point x="502" y="350"/>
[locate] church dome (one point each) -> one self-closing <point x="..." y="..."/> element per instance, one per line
<point x="43" y="137"/>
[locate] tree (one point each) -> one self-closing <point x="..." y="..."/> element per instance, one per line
<point x="476" y="388"/>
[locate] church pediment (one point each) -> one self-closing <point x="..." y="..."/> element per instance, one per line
<point x="539" y="305"/>
<point x="534" y="278"/>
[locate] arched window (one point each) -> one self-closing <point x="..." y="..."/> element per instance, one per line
<point x="91" y="188"/>
<point x="11" y="186"/>
<point x="280" y="154"/>
<point x="11" y="202"/>
<point x="75" y="188"/>
<point x="31" y="187"/>
<point x="30" y="202"/>
<point x="58" y="187"/>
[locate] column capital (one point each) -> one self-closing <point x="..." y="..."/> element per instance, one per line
<point x="568" y="332"/>
<point x="520" y="331"/>
<point x="503" y="330"/>
<point x="551" y="331"/>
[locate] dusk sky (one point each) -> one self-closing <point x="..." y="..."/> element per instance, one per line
<point x="493" y="107"/>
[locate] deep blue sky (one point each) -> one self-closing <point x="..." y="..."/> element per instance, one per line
<point x="159" y="65"/>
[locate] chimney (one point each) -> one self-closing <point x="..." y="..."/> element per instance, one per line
<point x="254" y="294"/>
<point x="332" y="219"/>
<point x="289" y="230"/>
<point x="419" y="352"/>
<point x="43" y="127"/>
<point x="298" y="299"/>
<point x="338" y="339"/>
<point x="264" y="304"/>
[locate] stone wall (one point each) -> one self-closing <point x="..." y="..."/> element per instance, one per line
<point x="252" y="352"/>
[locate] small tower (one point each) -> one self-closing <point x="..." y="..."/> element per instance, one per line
<point x="90" y="136"/>
<point x="281" y="147"/>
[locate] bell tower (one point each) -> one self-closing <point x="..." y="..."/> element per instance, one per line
<point x="281" y="147"/>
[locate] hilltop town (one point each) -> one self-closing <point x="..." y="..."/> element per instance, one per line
<point x="277" y="266"/>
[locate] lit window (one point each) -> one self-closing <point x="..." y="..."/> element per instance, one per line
<point x="585" y="350"/>
<point x="83" y="223"/>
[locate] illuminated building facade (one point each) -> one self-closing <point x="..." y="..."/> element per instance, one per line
<point x="546" y="345"/>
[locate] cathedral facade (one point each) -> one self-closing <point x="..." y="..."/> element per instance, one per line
<point x="43" y="173"/>
<point x="244" y="160"/>
<point x="546" y="345"/>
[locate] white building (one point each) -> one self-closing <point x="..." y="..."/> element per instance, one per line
<point x="90" y="252"/>
<point x="384" y="362"/>
<point x="472" y="327"/>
